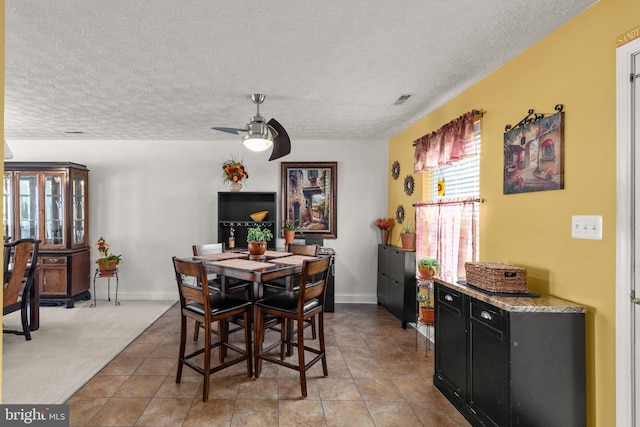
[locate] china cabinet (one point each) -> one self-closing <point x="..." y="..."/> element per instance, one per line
<point x="49" y="201"/>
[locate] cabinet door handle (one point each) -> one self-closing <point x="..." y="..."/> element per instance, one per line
<point x="448" y="297"/>
<point x="54" y="260"/>
<point x="485" y="315"/>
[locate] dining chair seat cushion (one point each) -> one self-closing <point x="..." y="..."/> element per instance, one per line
<point x="220" y="303"/>
<point x="288" y="302"/>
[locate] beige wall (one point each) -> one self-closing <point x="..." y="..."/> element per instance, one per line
<point x="574" y="66"/>
<point x="2" y="131"/>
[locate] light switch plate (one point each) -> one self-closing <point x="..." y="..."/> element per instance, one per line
<point x="586" y="227"/>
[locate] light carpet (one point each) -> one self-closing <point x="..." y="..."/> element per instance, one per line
<point x="70" y="347"/>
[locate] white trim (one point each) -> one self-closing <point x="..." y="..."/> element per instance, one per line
<point x="624" y="236"/>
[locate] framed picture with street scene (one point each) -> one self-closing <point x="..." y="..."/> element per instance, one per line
<point x="309" y="195"/>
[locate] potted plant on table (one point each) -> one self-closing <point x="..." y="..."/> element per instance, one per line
<point x="107" y="262"/>
<point x="257" y="238"/>
<point x="428" y="268"/>
<point x="289" y="232"/>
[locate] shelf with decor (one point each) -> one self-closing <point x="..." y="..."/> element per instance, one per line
<point x="234" y="216"/>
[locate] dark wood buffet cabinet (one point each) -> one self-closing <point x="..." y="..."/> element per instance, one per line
<point x="49" y="201"/>
<point x="509" y="361"/>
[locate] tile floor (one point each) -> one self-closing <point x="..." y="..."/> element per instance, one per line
<point x="376" y="378"/>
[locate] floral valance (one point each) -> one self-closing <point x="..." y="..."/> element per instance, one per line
<point x="451" y="143"/>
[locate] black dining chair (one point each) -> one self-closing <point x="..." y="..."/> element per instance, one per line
<point x="197" y="302"/>
<point x="214" y="282"/>
<point x="299" y="305"/>
<point x="20" y="264"/>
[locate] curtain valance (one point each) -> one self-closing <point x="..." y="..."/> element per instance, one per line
<point x="451" y="143"/>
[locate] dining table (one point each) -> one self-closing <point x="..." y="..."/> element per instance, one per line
<point x="274" y="264"/>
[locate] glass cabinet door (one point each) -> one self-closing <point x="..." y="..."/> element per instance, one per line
<point x="27" y="206"/>
<point x="54" y="204"/>
<point x="7" y="206"/>
<point x="79" y="200"/>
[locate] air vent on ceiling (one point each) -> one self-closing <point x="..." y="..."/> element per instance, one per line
<point x="402" y="99"/>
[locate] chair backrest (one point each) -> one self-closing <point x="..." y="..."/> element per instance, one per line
<point x="314" y="239"/>
<point x="313" y="280"/>
<point x="190" y="275"/>
<point x="20" y="263"/>
<point x="310" y="250"/>
<point x="207" y="249"/>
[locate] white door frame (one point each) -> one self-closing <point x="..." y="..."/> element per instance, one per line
<point x="625" y="227"/>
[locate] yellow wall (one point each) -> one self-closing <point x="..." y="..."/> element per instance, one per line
<point x="574" y="66"/>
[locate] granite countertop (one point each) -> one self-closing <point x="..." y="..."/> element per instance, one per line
<point x="541" y="304"/>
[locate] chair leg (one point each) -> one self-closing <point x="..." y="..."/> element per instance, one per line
<point x="25" y="323"/>
<point x="258" y="338"/>
<point x="325" y="371"/>
<point x="207" y="363"/>
<point x="301" y="364"/>
<point x="196" y="331"/>
<point x="183" y="341"/>
<point x="313" y="327"/>
<point x="247" y="341"/>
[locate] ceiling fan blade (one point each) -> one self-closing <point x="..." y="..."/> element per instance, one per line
<point x="281" y="141"/>
<point x="229" y="130"/>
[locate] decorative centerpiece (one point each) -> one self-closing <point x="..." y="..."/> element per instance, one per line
<point x="234" y="172"/>
<point x="428" y="268"/>
<point x="257" y="238"/>
<point x="107" y="262"/>
<point x="385" y="225"/>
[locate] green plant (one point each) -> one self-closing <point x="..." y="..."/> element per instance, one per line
<point x="287" y="225"/>
<point x="105" y="256"/>
<point x="258" y="234"/>
<point x="428" y="262"/>
<point x="407" y="228"/>
<point x="424" y="298"/>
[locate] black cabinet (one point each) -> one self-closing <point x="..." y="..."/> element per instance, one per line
<point x="397" y="282"/>
<point x="234" y="210"/>
<point x="502" y="365"/>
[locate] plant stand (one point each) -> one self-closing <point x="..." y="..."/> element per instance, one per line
<point x="425" y="318"/>
<point x="428" y="334"/>
<point x="105" y="274"/>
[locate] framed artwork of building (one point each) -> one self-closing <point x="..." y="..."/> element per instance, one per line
<point x="309" y="195"/>
<point x="534" y="155"/>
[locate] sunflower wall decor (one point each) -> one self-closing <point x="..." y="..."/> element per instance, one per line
<point x="400" y="214"/>
<point x="395" y="170"/>
<point x="409" y="185"/>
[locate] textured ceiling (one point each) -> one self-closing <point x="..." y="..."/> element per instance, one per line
<point x="172" y="69"/>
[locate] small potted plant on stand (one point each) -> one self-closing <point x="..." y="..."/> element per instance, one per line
<point x="428" y="268"/>
<point x="107" y="262"/>
<point x="408" y="237"/>
<point x="289" y="233"/>
<point x="257" y="238"/>
<point x="425" y="302"/>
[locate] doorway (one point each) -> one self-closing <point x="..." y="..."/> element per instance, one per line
<point x="627" y="235"/>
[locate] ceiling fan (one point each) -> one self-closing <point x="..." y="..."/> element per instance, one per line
<point x="261" y="135"/>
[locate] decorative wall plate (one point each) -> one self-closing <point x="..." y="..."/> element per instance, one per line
<point x="409" y="185"/>
<point x="395" y="170"/>
<point x="400" y="214"/>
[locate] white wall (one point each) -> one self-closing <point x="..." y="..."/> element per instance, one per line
<point x="154" y="199"/>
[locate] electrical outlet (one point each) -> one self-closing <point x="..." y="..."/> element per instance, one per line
<point x="586" y="227"/>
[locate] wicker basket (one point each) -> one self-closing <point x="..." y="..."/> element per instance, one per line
<point x="496" y="277"/>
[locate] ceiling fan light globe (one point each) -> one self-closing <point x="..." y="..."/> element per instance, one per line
<point x="257" y="143"/>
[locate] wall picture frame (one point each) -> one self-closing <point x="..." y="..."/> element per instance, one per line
<point x="534" y="155"/>
<point x="309" y="197"/>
